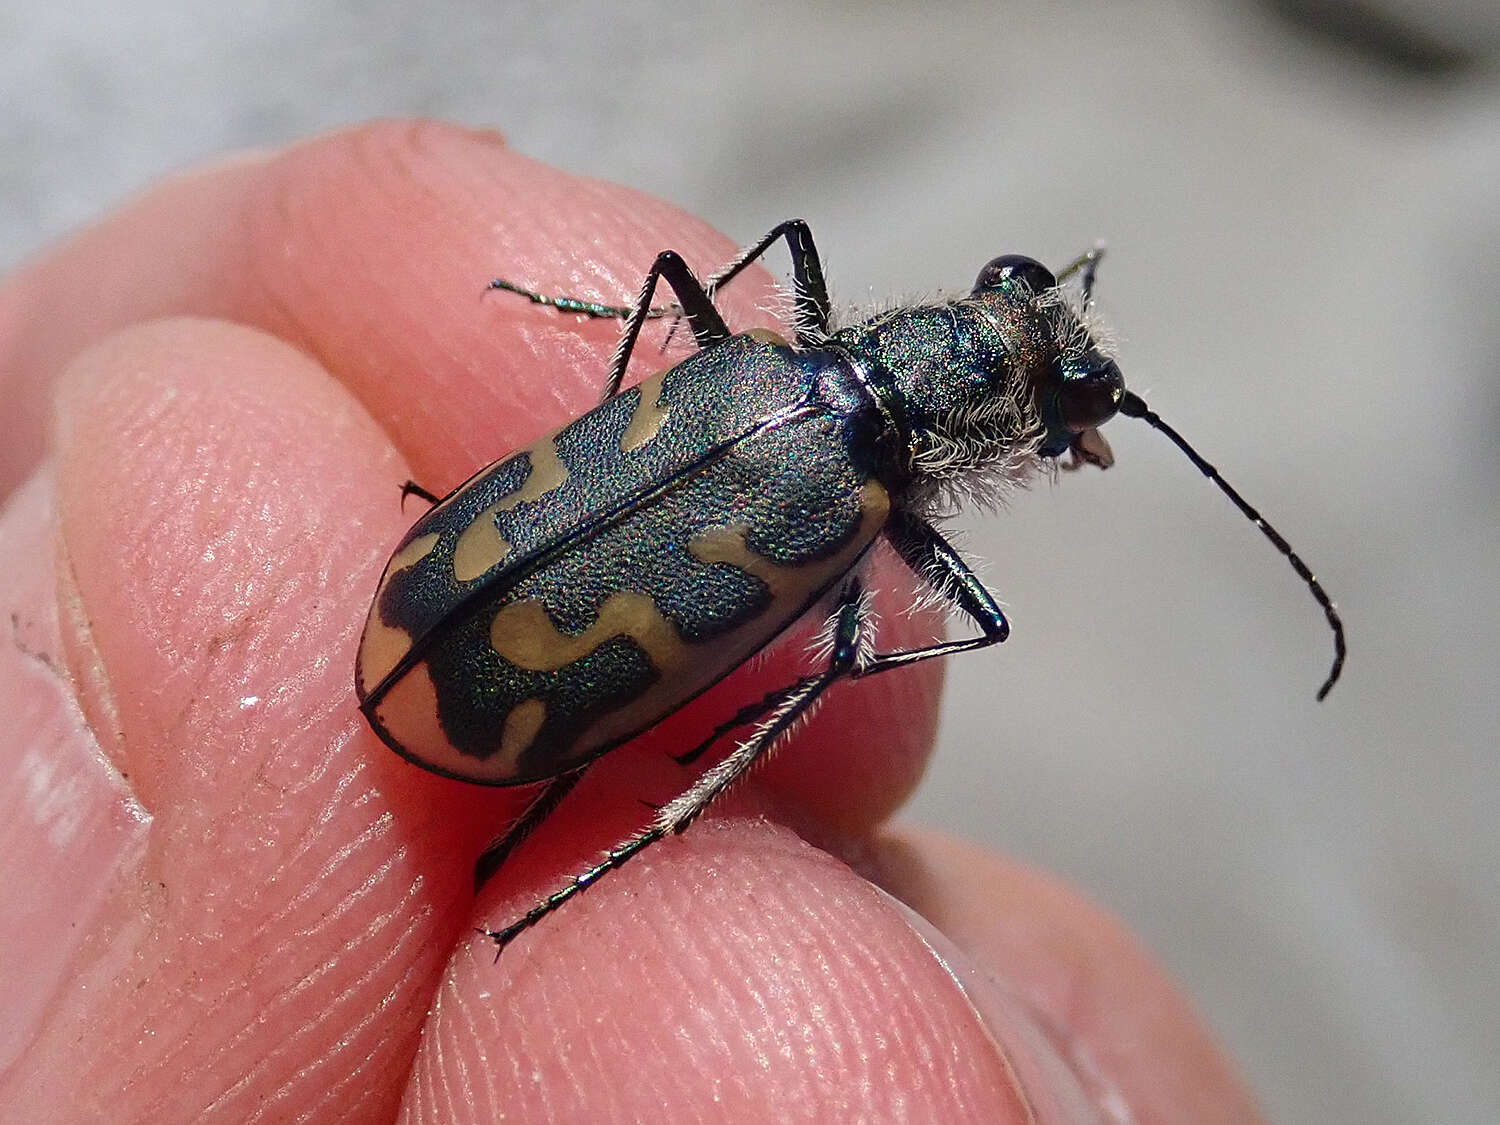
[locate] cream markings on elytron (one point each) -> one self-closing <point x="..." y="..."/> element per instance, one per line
<point x="520" y="729"/>
<point x="382" y="646"/>
<point x="523" y="633"/>
<point x="766" y="336"/>
<point x="579" y="592"/>
<point x="649" y="415"/>
<point x="481" y="546"/>
<point x="685" y="673"/>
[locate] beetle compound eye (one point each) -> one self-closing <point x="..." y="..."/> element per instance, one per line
<point x="1091" y="399"/>
<point x="1019" y="267"/>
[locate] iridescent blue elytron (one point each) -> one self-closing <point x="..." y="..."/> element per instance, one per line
<point x="567" y="598"/>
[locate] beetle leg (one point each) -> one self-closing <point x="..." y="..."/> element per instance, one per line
<point x="811" y="314"/>
<point x="543" y="805"/>
<point x="412" y="488"/>
<point x="750" y="713"/>
<point x="676" y="815"/>
<point x="810" y="291"/>
<point x="933" y="559"/>
<point x="697" y="305"/>
<point x="812" y="309"/>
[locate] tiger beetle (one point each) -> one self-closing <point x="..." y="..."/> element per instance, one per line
<point x="565" y="599"/>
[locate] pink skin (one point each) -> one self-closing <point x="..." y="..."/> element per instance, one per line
<point x="236" y="905"/>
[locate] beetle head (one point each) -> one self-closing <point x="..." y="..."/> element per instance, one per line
<point x="1077" y="387"/>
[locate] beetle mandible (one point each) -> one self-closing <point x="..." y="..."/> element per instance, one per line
<point x="568" y="597"/>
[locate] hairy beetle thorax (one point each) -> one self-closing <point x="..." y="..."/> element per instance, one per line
<point x="962" y="376"/>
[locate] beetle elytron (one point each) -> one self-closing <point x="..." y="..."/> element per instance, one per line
<point x="570" y="596"/>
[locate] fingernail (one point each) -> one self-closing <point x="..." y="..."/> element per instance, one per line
<point x="1052" y="1071"/>
<point x="68" y="821"/>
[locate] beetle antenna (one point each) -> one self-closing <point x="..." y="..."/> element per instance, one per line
<point x="1132" y="406"/>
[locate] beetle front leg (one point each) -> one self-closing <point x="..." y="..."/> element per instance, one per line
<point x="934" y="560"/>
<point x="676" y="815"/>
<point x="1088" y="262"/>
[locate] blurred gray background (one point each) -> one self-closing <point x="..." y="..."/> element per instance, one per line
<point x="1303" y="210"/>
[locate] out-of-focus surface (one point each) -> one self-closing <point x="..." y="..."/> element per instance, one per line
<point x="1304" y="223"/>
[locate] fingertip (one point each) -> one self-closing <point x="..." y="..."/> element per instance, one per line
<point x="71" y="827"/>
<point x="201" y="466"/>
<point x="1095" y="989"/>
<point x="218" y="498"/>
<point x="732" y="973"/>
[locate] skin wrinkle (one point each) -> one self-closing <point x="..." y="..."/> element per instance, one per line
<point x="465" y="1078"/>
<point x="337" y="1095"/>
<point x="287" y="911"/>
<point x="368" y="1018"/>
<point x="330" y="1009"/>
<point x="326" y="1011"/>
<point x="906" y="986"/>
<point x="374" y="830"/>
<point x="423" y="1091"/>
<point x="1002" y="1057"/>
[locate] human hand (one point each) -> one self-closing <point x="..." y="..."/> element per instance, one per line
<point x="230" y="902"/>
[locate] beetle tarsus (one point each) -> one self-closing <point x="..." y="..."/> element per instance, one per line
<point x="412" y="488"/>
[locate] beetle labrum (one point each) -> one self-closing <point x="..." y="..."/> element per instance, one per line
<point x="568" y="597"/>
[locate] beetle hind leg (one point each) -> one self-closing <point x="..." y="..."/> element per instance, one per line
<point x="543" y="805"/>
<point x="788" y="706"/>
<point x="750" y="713"/>
<point x="695" y="299"/>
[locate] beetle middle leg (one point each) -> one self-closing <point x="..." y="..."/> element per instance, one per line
<point x="676" y="815"/>
<point x="412" y="488"/>
<point x="697" y="306"/>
